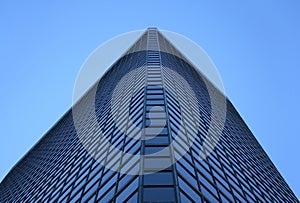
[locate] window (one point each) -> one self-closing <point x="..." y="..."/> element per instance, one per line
<point x="155" y="96"/>
<point x="154" y="115"/>
<point x="155" y="122"/>
<point x="159" y="194"/>
<point x="155" y="163"/>
<point x="129" y="189"/>
<point x="158" y="140"/>
<point x="154" y="92"/>
<point x="155" y="102"/>
<point x="156" y="131"/>
<point x="154" y="149"/>
<point x="189" y="190"/>
<point x="159" y="178"/>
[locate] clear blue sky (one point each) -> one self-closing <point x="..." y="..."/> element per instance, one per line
<point x="254" y="44"/>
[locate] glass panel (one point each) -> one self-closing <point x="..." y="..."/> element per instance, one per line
<point x="156" y="131"/>
<point x="155" y="122"/>
<point x="159" y="178"/>
<point x="156" y="163"/>
<point x="154" y="92"/>
<point x="133" y="199"/>
<point x="160" y="140"/>
<point x="184" y="198"/>
<point x="154" y="78"/>
<point x="127" y="191"/>
<point x="155" y="102"/>
<point x="150" y="108"/>
<point x="154" y="83"/>
<point x="159" y="195"/>
<point x="160" y="96"/>
<point x="156" y="115"/>
<point x="152" y="150"/>
<point x="187" y="189"/>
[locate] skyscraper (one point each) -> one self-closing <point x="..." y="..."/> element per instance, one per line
<point x="152" y="129"/>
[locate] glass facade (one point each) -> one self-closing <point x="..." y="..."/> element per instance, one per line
<point x="161" y="111"/>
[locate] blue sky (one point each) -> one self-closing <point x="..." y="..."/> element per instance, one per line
<point x="254" y="45"/>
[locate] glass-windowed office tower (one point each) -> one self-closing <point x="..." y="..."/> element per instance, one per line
<point x="169" y="110"/>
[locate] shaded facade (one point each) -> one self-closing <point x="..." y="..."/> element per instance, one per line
<point x="162" y="86"/>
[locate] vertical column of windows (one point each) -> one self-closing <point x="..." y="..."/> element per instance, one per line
<point x="156" y="132"/>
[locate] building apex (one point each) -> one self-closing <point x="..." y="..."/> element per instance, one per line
<point x="152" y="28"/>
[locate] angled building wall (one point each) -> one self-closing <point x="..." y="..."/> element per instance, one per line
<point x="151" y="104"/>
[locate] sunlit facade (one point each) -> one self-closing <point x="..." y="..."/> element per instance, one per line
<point x="169" y="102"/>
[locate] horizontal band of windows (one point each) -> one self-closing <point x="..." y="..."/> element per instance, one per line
<point x="156" y="131"/>
<point x="154" y="87"/>
<point x="156" y="122"/>
<point x="149" y="92"/>
<point x="156" y="71"/>
<point x="154" y="83"/>
<point x="149" y="79"/>
<point x="158" y="140"/>
<point x="154" y="108"/>
<point x="156" y="115"/>
<point x="155" y="102"/>
<point x="155" y="96"/>
<point x="162" y="194"/>
<point x="159" y="179"/>
<point x="154" y="149"/>
<point x="154" y="75"/>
